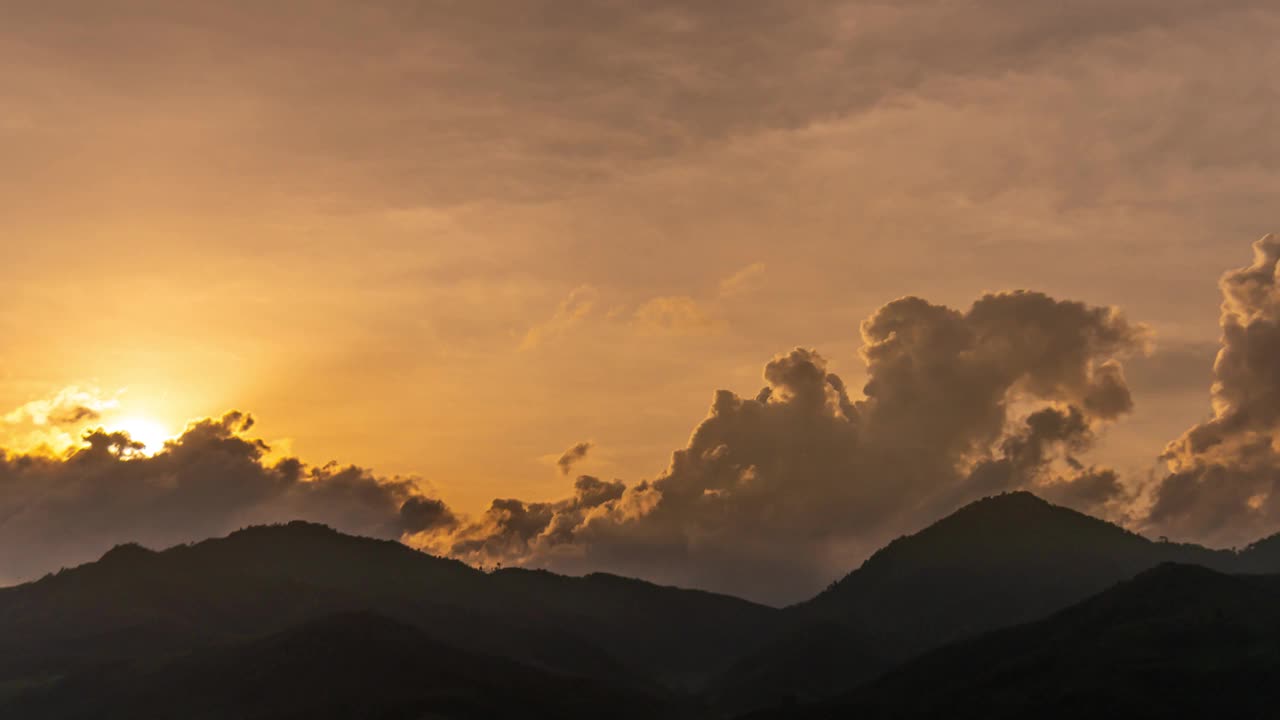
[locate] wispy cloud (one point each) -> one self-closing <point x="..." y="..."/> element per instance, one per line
<point x="573" y="456"/>
<point x="746" y="280"/>
<point x="55" y="423"/>
<point x="571" y="311"/>
<point x="677" y="315"/>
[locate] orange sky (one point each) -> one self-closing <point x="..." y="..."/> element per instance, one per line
<point x="450" y="240"/>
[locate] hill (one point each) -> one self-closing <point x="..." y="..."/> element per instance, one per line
<point x="997" y="562"/>
<point x="352" y="665"/>
<point x="1176" y="641"/>
<point x="137" y="604"/>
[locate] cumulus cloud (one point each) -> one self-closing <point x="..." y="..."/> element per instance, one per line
<point x="214" y="478"/>
<point x="774" y="493"/>
<point x="1042" y="456"/>
<point x="510" y="528"/>
<point x="777" y="493"/>
<point x="1223" y="472"/>
<point x="424" y="514"/>
<point x="572" y="456"/>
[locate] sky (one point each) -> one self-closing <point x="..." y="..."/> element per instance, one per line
<point x="496" y="262"/>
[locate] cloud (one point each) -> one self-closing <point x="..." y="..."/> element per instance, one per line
<point x="61" y="511"/>
<point x="676" y="315"/>
<point x="51" y="423"/>
<point x="1042" y="456"/>
<point x="685" y="315"/>
<point x="69" y="405"/>
<point x="572" y="310"/>
<point x="424" y="514"/>
<point x="570" y="457"/>
<point x="510" y="528"/>
<point x="776" y="494"/>
<point x="638" y="81"/>
<point x="1224" y="472"/>
<point x="745" y="280"/>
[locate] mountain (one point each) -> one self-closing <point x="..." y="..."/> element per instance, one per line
<point x="351" y="665"/>
<point x="678" y="635"/>
<point x="1176" y="641"/>
<point x="138" y="604"/>
<point x="995" y="563"/>
<point x="999" y="561"/>
<point x="804" y="662"/>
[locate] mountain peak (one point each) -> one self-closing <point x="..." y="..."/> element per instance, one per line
<point x="1176" y="577"/>
<point x="1014" y="498"/>
<point x="299" y="528"/>
<point x="1015" y="525"/>
<point x="1017" y="508"/>
<point x="1009" y="556"/>
<point x="126" y="554"/>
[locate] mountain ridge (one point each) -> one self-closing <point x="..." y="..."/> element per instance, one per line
<point x="1176" y="640"/>
<point x="998" y="562"/>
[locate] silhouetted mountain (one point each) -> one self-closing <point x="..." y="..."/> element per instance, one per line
<point x="1176" y="641"/>
<point x="1262" y="556"/>
<point x="808" y="661"/>
<point x="135" y="603"/>
<point x="680" y="636"/>
<point x="997" y="562"/>
<point x="356" y="665"/>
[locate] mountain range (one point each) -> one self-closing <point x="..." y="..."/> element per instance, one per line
<point x="1175" y="641"/>
<point x="1009" y="597"/>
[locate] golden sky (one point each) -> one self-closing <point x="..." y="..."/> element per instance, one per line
<point x="447" y="241"/>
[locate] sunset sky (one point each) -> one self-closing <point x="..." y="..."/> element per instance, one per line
<point x="448" y="242"/>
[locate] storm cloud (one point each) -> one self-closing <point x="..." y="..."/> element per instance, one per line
<point x="777" y="493"/>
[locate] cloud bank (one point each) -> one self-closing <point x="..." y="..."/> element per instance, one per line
<point x="63" y="510"/>
<point x="774" y="494"/>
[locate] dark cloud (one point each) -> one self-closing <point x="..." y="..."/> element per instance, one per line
<point x="73" y="415"/>
<point x="57" y="511"/>
<point x="1093" y="489"/>
<point x="570" y="457"/>
<point x="1042" y="456"/>
<point x="420" y="514"/>
<point x="1224" y="471"/>
<point x="595" y="85"/>
<point x="511" y="528"/>
<point x="1023" y="454"/>
<point x="775" y="495"/>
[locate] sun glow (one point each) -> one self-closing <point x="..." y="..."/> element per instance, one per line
<point x="149" y="432"/>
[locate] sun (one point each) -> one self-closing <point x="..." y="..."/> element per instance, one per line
<point x="149" y="432"/>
